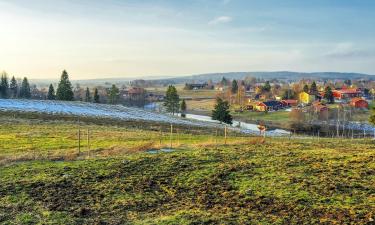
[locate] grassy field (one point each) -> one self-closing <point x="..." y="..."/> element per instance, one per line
<point x="186" y="93"/>
<point x="29" y="139"/>
<point x="277" y="116"/>
<point x="249" y="180"/>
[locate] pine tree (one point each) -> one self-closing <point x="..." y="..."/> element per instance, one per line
<point x="221" y="112"/>
<point x="234" y="87"/>
<point x="314" y="88"/>
<point x="172" y="100"/>
<point x="51" y="93"/>
<point x="87" y="96"/>
<point x="224" y="81"/>
<point x="64" y="90"/>
<point x="183" y="108"/>
<point x="306" y="88"/>
<point x="328" y="95"/>
<point x="267" y="87"/>
<point x="4" y="86"/>
<point x="113" y="94"/>
<point x="96" y="96"/>
<point x="288" y="94"/>
<point x="13" y="88"/>
<point x="25" y="89"/>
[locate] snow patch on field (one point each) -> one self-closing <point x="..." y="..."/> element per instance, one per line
<point x="118" y="112"/>
<point x="92" y="110"/>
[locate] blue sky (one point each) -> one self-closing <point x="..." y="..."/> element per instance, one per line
<point x="92" y="38"/>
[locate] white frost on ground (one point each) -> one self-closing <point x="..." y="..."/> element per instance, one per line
<point x="117" y="112"/>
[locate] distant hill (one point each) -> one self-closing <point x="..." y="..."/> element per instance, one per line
<point x="287" y="75"/>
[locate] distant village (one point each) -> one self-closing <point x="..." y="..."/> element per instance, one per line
<point x="266" y="96"/>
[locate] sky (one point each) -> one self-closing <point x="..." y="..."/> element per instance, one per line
<point x="138" y="38"/>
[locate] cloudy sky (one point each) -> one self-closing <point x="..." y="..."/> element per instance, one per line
<point x="119" y="38"/>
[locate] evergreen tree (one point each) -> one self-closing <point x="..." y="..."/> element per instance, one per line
<point x="183" y="108"/>
<point x="113" y="94"/>
<point x="64" y="89"/>
<point x="87" y="96"/>
<point x="13" y="88"/>
<point x="234" y="87"/>
<point x="4" y="86"/>
<point x="224" y="81"/>
<point x="51" y="93"/>
<point x="25" y="89"/>
<point x="267" y="87"/>
<point x="172" y="100"/>
<point x="288" y="94"/>
<point x="328" y="95"/>
<point x="306" y="88"/>
<point x="96" y="96"/>
<point x="314" y="88"/>
<point x="221" y="112"/>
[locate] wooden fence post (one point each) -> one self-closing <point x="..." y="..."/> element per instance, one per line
<point x="225" y="134"/>
<point x="160" y="136"/>
<point x="79" y="141"/>
<point x="171" y="136"/>
<point x="88" y="141"/>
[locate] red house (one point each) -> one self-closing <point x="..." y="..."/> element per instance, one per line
<point x="359" y="103"/>
<point x="290" y="102"/>
<point x="346" y="93"/>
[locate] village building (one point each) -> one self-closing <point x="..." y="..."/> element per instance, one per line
<point x="347" y="93"/>
<point x="306" y="98"/>
<point x="196" y="86"/>
<point x="290" y="102"/>
<point x="359" y="103"/>
<point x="268" y="106"/>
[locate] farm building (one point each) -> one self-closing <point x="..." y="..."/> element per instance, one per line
<point x="268" y="106"/>
<point x="359" y="103"/>
<point x="290" y="102"/>
<point x="306" y="98"/>
<point x="196" y="86"/>
<point x="319" y="107"/>
<point x="347" y="93"/>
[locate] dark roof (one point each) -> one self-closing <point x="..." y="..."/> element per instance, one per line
<point x="272" y="103"/>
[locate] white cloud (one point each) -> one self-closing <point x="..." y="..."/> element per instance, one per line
<point x="220" y="19"/>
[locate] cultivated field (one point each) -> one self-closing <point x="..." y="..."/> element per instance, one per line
<point x="249" y="180"/>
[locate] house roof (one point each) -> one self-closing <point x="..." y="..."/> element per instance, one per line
<point x="271" y="103"/>
<point x="347" y="91"/>
<point x="354" y="100"/>
<point x="291" y="101"/>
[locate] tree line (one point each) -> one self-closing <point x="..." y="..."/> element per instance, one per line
<point x="64" y="92"/>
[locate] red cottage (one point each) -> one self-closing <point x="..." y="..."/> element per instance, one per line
<point x="359" y="103"/>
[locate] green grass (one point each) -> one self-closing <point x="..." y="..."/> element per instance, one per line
<point x="277" y="116"/>
<point x="279" y="181"/>
<point x="24" y="139"/>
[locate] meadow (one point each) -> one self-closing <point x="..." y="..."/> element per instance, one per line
<point x="246" y="181"/>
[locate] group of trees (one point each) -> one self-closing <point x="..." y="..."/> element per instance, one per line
<point x="14" y="89"/>
<point x="172" y="105"/>
<point x="64" y="91"/>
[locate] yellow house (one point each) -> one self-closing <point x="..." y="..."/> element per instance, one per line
<point x="306" y="98"/>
